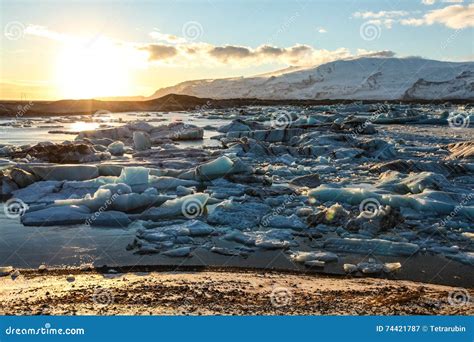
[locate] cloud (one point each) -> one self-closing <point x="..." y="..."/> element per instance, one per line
<point x="44" y="32"/>
<point x="159" y="52"/>
<point x="384" y="53"/>
<point x="173" y="50"/>
<point x="227" y="53"/>
<point x="455" y="17"/>
<point x="431" y="2"/>
<point x="322" y="30"/>
<point x="380" y="15"/>
<point x="412" y="22"/>
<point x="301" y="55"/>
<point x="381" y="18"/>
<point x="164" y="37"/>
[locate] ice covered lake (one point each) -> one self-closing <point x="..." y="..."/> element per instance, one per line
<point x="329" y="189"/>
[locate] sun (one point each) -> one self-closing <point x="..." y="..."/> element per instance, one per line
<point x="91" y="70"/>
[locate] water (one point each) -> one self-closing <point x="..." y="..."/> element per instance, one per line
<point x="40" y="126"/>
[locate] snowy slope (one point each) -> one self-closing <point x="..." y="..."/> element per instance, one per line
<point x="363" y="78"/>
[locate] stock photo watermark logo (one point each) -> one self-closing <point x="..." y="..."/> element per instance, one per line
<point x="281" y="120"/>
<point x="369" y="207"/>
<point x="375" y="115"/>
<point x="192" y="30"/>
<point x="15" y="208"/>
<point x="14" y="30"/>
<point x="459" y="297"/>
<point x="192" y="208"/>
<point x="47" y="329"/>
<point x="204" y="107"/>
<point x="281" y="297"/>
<point x="278" y="210"/>
<point x="103" y="297"/>
<point x="370" y="31"/>
<point x="457" y="209"/>
<point x="103" y="208"/>
<point x="459" y="120"/>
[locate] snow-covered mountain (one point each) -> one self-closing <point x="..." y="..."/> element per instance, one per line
<point x="368" y="78"/>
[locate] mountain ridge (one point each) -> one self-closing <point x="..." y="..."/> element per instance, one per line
<point x="366" y="78"/>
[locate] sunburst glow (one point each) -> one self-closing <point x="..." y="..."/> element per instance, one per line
<point x="92" y="70"/>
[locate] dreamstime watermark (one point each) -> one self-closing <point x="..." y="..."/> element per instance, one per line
<point x="21" y="110"/>
<point x="192" y="208"/>
<point x="452" y="37"/>
<point x="457" y="209"/>
<point x="369" y="207"/>
<point x="15" y="208"/>
<point x="361" y="128"/>
<point x="278" y="210"/>
<point x="192" y="30"/>
<point x="46" y="330"/>
<point x="459" y="120"/>
<point x="204" y="107"/>
<point x="103" y="208"/>
<point x="370" y="30"/>
<point x="14" y="30"/>
<point x="281" y="296"/>
<point x="285" y="26"/>
<point x="459" y="297"/>
<point x="281" y="120"/>
<point x="103" y="297"/>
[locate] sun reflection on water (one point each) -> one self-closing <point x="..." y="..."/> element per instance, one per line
<point x="84" y="126"/>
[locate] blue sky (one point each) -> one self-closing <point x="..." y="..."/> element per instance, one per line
<point x="225" y="38"/>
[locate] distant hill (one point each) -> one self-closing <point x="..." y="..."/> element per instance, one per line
<point x="368" y="78"/>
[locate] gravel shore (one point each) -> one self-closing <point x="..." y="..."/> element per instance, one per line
<point x="60" y="292"/>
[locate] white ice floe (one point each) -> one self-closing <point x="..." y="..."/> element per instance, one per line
<point x="214" y="169"/>
<point x="370" y="246"/>
<point x="189" y="206"/>
<point x="71" y="172"/>
<point x="134" y="175"/>
<point x="117" y="148"/>
<point x="238" y="215"/>
<point x="178" y="252"/>
<point x="303" y="257"/>
<point x="57" y="216"/>
<point x="429" y="201"/>
<point x="141" y="141"/>
<point x="280" y="221"/>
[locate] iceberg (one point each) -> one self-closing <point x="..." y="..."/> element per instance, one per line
<point x="178" y="252"/>
<point x="214" y="169"/>
<point x="56" y="216"/>
<point x="116" y="148"/>
<point x="303" y="257"/>
<point x="189" y="206"/>
<point x="420" y="202"/>
<point x="134" y="175"/>
<point x="141" y="141"/>
<point x="71" y="172"/>
<point x="238" y="215"/>
<point x="373" y="246"/>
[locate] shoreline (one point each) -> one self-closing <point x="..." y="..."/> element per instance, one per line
<point x="176" y="102"/>
<point x="76" y="292"/>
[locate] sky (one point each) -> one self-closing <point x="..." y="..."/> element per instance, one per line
<point x="93" y="49"/>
